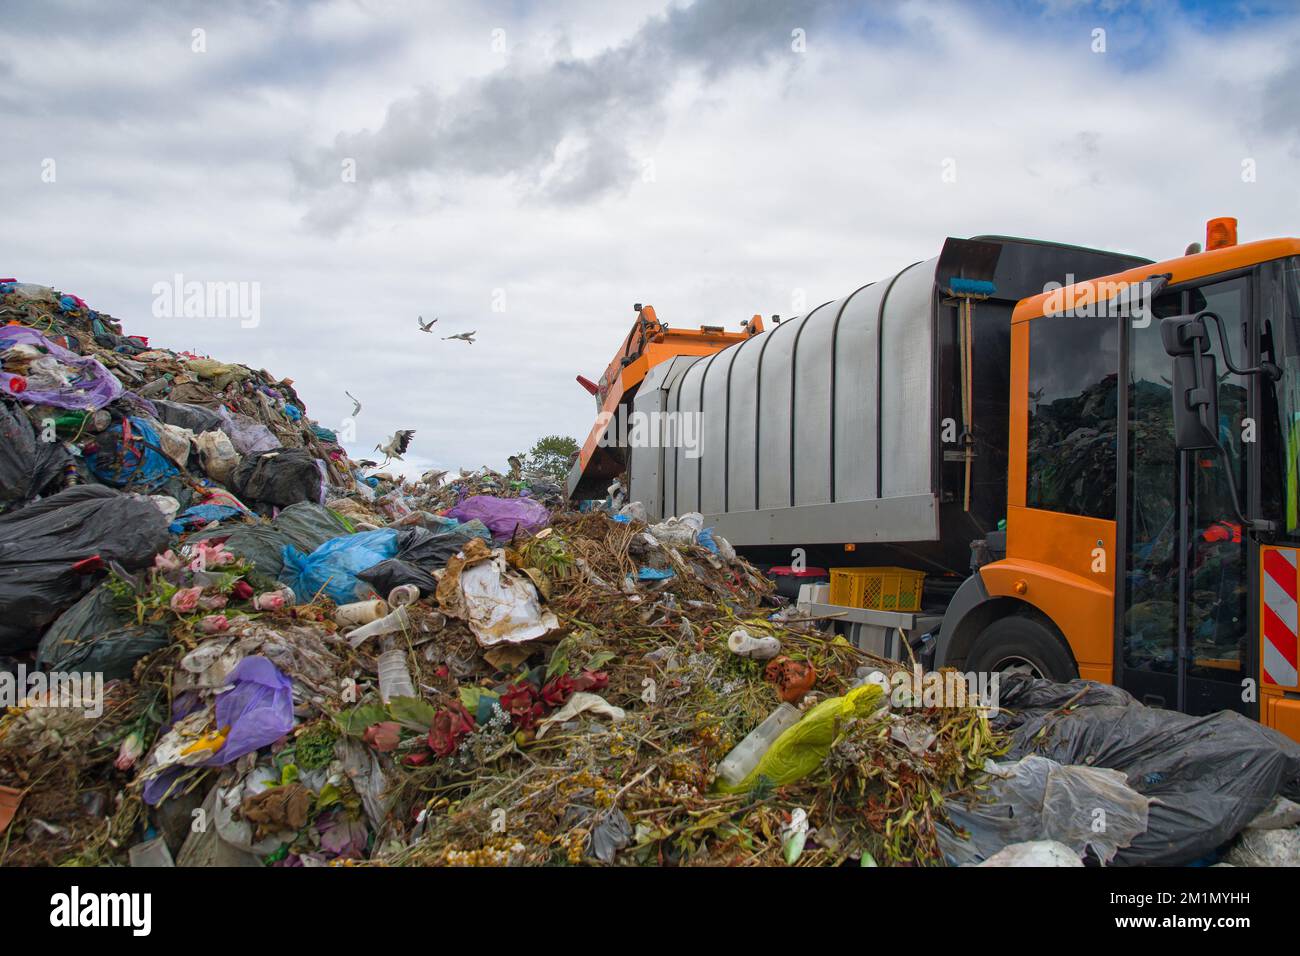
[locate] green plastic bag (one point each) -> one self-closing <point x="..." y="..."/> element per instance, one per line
<point x="801" y="749"/>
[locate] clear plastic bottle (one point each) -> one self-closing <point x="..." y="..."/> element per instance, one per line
<point x="394" y="675"/>
<point x="738" y="764"/>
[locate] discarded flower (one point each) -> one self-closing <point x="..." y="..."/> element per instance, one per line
<point x="448" y="727"/>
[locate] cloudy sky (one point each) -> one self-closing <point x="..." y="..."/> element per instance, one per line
<point x="530" y="170"/>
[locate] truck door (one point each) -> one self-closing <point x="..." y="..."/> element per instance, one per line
<point x="1184" y="620"/>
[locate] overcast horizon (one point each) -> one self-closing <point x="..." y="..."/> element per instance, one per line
<point x="529" y="171"/>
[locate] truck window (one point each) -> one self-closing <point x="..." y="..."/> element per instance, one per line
<point x="1286" y="344"/>
<point x="1216" y="548"/>
<point x="1073" y="414"/>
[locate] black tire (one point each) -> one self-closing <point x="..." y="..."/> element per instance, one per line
<point x="1021" y="644"/>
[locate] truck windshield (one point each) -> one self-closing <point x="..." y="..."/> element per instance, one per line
<point x="1288" y="389"/>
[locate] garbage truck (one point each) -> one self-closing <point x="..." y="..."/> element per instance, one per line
<point x="1091" y="457"/>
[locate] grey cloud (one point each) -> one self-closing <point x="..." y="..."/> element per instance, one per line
<point x="519" y="120"/>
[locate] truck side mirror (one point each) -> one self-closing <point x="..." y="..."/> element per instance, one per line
<point x="1196" y="402"/>
<point x="1196" y="382"/>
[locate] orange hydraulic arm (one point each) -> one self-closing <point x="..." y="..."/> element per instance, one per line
<point x="649" y="343"/>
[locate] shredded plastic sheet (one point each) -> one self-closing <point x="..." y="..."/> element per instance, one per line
<point x="582" y="702"/>
<point x="91" y="386"/>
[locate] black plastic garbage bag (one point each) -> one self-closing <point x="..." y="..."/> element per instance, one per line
<point x="92" y="636"/>
<point x="394" y="572"/>
<point x="432" y="549"/>
<point x="1207" y="776"/>
<point x="27" y="464"/>
<point x="40" y="544"/>
<point x="278" y="478"/>
<point x="306" y="526"/>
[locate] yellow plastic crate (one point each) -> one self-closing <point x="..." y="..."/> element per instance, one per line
<point x="880" y="589"/>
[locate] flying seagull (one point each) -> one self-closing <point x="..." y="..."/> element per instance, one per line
<point x="463" y="336"/>
<point x="397" y="445"/>
<point x="356" y="405"/>
<point x="426" y="326"/>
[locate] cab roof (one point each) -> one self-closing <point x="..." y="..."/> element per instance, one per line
<point x="1183" y="269"/>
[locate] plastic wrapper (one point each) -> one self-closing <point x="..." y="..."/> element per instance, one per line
<point x="194" y="417"/>
<point x="248" y="436"/>
<point x="217" y="454"/>
<point x="428" y="548"/>
<point x="390" y="574"/>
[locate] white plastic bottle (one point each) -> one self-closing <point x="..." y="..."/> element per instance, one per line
<point x="738" y="764"/>
<point x="390" y="624"/>
<point x="361" y="612"/>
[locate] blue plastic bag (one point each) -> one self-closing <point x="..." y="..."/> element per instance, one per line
<point x="332" y="568"/>
<point x="135" y="461"/>
<point x="200" y="515"/>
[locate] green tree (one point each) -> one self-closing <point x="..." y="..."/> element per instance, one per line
<point x="550" y="457"/>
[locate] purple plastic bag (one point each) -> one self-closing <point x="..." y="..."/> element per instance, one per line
<point x="94" y="387"/>
<point x="258" y="709"/>
<point x="503" y="515"/>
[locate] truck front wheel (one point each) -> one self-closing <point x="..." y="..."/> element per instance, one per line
<point x="1021" y="645"/>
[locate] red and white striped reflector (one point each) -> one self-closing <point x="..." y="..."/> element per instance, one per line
<point x="1281" y="620"/>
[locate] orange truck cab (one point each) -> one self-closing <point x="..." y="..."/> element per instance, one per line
<point x="1151" y="528"/>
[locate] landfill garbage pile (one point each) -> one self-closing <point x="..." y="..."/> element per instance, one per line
<point x="333" y="666"/>
<point x="255" y="653"/>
